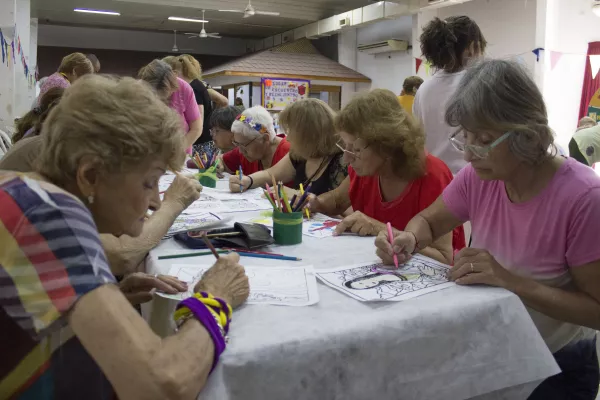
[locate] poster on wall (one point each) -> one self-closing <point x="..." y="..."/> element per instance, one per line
<point x="279" y="93"/>
<point x="594" y="107"/>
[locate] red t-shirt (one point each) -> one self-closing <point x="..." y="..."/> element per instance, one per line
<point x="365" y="196"/>
<point x="234" y="158"/>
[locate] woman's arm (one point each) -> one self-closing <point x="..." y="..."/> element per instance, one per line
<point x="441" y="250"/>
<point x="283" y="171"/>
<point x="195" y="130"/>
<point x="125" y="253"/>
<point x="218" y="98"/>
<point x="334" y="202"/>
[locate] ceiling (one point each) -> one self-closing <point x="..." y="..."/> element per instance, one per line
<point x="153" y="14"/>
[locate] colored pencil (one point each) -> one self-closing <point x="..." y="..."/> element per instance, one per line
<point x="287" y="204"/>
<point x="277" y="201"/>
<point x="241" y="179"/>
<point x="252" y="251"/>
<point x="242" y="254"/>
<point x="303" y="199"/>
<point x="210" y="246"/>
<point x="293" y="201"/>
<point x="268" y="196"/>
<point x="197" y="254"/>
<point x="391" y="239"/>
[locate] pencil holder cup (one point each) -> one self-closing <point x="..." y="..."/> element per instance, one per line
<point x="287" y="227"/>
<point x="207" y="177"/>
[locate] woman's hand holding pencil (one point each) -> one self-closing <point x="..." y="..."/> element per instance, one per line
<point x="237" y="184"/>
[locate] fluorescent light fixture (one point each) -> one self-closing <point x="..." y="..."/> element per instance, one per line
<point x="85" y="10"/>
<point x="186" y="19"/>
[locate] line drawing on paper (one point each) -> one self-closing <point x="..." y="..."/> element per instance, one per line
<point x="418" y="276"/>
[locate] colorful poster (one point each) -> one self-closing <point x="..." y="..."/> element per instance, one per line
<point x="279" y="93"/>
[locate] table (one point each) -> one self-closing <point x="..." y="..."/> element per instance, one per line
<point x="457" y="343"/>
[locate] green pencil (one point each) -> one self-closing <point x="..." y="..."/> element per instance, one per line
<point x="202" y="253"/>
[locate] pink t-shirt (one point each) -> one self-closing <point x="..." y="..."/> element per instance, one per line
<point x="54" y="80"/>
<point x="540" y="239"/>
<point x="184" y="102"/>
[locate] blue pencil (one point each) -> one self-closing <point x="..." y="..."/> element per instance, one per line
<point x="274" y="257"/>
<point x="241" y="178"/>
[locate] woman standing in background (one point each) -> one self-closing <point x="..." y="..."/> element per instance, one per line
<point x="447" y="45"/>
<point x="71" y="68"/>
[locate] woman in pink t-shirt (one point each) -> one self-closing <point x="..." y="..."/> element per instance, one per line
<point x="178" y="94"/>
<point x="534" y="215"/>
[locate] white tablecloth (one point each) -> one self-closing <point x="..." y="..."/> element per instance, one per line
<point x="458" y="343"/>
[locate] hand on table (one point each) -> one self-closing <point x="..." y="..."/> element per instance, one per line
<point x="184" y="190"/>
<point x="358" y="223"/>
<point x="479" y="267"/>
<point x="137" y="286"/>
<point x="403" y="245"/>
<point x="220" y="170"/>
<point x="235" y="182"/>
<point x="226" y="280"/>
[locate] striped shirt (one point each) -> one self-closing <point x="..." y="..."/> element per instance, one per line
<point x="50" y="256"/>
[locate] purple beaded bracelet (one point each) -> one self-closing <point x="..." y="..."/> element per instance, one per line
<point x="206" y="318"/>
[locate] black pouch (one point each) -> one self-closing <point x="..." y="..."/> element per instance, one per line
<point x="249" y="236"/>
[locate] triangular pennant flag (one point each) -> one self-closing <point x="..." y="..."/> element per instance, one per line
<point x="595" y="63"/>
<point x="554" y="58"/>
<point x="427" y="68"/>
<point x="537" y="53"/>
<point x="418" y="62"/>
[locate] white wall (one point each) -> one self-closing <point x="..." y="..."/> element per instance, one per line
<point x="387" y="71"/>
<point x="570" y="25"/>
<point x="115" y="39"/>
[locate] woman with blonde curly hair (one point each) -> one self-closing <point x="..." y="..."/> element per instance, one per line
<point x="72" y="67"/>
<point x="69" y="329"/>
<point x="390" y="178"/>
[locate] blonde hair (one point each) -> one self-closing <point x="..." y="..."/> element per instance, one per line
<point x="161" y="78"/>
<point x="190" y="67"/>
<point x="173" y="61"/>
<point x="310" y="127"/>
<point x="377" y="118"/>
<point x="77" y="62"/>
<point x="120" y="123"/>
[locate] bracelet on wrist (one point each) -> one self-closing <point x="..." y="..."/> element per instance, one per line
<point x="251" y="182"/>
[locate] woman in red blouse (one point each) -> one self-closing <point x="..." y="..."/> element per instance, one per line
<point x="390" y="178"/>
<point x="257" y="145"/>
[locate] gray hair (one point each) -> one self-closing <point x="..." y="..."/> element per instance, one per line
<point x="259" y="115"/>
<point x="224" y="117"/>
<point x="500" y="96"/>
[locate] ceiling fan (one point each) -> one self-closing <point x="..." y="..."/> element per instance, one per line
<point x="250" y="11"/>
<point x="203" y="33"/>
<point x="176" y="49"/>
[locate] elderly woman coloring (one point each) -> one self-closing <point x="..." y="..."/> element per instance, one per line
<point x="257" y="145"/>
<point x="534" y="216"/>
<point x="390" y="177"/>
<point x="69" y="330"/>
<point x="314" y="157"/>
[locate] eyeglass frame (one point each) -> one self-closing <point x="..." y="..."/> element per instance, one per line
<point x="353" y="154"/>
<point x="481" y="152"/>
<point x="243" y="146"/>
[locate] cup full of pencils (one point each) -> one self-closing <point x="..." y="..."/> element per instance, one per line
<point x="207" y="168"/>
<point x="287" y="223"/>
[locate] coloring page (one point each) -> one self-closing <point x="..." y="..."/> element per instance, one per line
<point x="185" y="223"/>
<point x="286" y="286"/>
<point x="374" y="282"/>
<point x="320" y="226"/>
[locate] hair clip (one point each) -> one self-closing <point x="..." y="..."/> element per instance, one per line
<point x="260" y="128"/>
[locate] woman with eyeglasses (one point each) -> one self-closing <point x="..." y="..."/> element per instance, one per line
<point x="390" y="178"/>
<point x="257" y="145"/>
<point x="535" y="219"/>
<point x="314" y="158"/>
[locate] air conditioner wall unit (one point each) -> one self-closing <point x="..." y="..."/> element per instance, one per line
<point x="385" y="46"/>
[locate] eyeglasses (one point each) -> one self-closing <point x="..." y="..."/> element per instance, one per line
<point x="243" y="146"/>
<point x="459" y="142"/>
<point x="356" y="153"/>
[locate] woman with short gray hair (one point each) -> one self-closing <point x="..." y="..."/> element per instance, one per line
<point x="534" y="217"/>
<point x="258" y="147"/>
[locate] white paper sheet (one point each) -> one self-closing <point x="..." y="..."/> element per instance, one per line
<point x="209" y="204"/>
<point x="203" y="221"/>
<point x="319" y="226"/>
<point x="284" y="286"/>
<point x="372" y="282"/>
<point x="226" y="194"/>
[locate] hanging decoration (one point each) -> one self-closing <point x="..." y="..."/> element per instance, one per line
<point x="418" y="62"/>
<point x="595" y="63"/>
<point x="10" y="54"/>
<point x="427" y="68"/>
<point x="555" y="56"/>
<point x="537" y="53"/>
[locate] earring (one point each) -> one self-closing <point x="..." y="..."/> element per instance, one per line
<point x="90" y="199"/>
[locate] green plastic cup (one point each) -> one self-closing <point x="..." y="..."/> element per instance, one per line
<point x="287" y="227"/>
<point x="207" y="177"/>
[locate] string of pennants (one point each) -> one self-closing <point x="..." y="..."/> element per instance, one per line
<point x="555" y="57"/>
<point x="11" y="51"/>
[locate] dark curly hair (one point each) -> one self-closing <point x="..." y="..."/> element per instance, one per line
<point x="444" y="42"/>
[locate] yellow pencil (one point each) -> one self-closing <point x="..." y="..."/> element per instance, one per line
<point x="285" y="200"/>
<point x="305" y="209"/>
